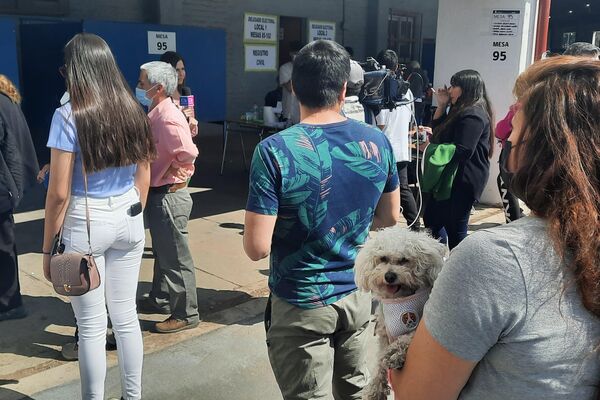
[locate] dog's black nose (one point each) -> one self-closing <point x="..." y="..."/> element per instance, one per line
<point x="390" y="277"/>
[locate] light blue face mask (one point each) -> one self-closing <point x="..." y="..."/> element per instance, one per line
<point x="65" y="99"/>
<point x="140" y="95"/>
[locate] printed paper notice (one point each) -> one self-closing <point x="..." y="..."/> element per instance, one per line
<point x="261" y="57"/>
<point x="159" y="42"/>
<point x="506" y="22"/>
<point x="260" y="28"/>
<point x="321" y="30"/>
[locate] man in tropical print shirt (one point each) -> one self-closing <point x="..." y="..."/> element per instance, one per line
<point x="315" y="191"/>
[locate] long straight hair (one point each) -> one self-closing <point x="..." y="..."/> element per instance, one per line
<point x="558" y="175"/>
<point x="474" y="94"/>
<point x="112" y="128"/>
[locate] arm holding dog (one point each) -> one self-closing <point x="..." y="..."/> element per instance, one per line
<point x="431" y="371"/>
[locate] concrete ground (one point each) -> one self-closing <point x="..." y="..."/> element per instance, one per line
<point x="224" y="358"/>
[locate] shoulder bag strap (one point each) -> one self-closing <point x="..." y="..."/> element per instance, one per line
<point x="87" y="210"/>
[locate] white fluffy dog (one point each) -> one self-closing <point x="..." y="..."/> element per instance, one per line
<point x="399" y="267"/>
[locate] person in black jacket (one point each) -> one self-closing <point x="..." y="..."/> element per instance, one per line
<point x="18" y="171"/>
<point x="418" y="85"/>
<point x="469" y="125"/>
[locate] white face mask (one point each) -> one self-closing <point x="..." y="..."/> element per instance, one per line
<point x="65" y="98"/>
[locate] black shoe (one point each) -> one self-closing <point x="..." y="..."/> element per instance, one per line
<point x="111" y="342"/>
<point x="70" y="351"/>
<point x="13" y="313"/>
<point x="148" y="306"/>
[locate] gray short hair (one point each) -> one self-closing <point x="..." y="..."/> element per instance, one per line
<point x="582" y="49"/>
<point x="161" y="73"/>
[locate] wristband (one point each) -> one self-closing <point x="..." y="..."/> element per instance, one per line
<point x="46" y="253"/>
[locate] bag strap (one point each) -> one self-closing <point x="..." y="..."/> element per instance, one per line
<point x="87" y="212"/>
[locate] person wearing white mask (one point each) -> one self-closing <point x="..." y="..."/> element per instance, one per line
<point x="169" y="202"/>
<point x="289" y="102"/>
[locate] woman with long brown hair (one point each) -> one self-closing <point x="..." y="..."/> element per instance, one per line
<point x="102" y="134"/>
<point x="515" y="312"/>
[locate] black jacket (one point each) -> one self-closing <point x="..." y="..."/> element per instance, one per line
<point x="18" y="161"/>
<point x="471" y="135"/>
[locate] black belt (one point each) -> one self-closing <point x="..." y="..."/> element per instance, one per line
<point x="160" y="189"/>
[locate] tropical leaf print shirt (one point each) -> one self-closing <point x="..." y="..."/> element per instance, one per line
<point x="323" y="183"/>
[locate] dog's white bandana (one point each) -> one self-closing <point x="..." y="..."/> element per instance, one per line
<point x="402" y="315"/>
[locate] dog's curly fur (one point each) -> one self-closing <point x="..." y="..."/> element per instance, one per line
<point x="411" y="260"/>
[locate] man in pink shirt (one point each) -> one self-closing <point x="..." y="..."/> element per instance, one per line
<point x="169" y="203"/>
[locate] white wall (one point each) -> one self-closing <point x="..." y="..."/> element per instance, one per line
<point x="465" y="41"/>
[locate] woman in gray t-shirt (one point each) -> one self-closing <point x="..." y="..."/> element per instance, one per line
<point x="515" y="313"/>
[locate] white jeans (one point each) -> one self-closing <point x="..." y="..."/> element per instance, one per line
<point x="117" y="244"/>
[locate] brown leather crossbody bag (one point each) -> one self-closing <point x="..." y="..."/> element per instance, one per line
<point x="74" y="274"/>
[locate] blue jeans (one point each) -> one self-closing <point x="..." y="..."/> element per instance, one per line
<point x="448" y="220"/>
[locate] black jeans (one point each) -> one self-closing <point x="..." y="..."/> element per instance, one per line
<point x="419" y="108"/>
<point x="448" y="220"/>
<point x="407" y="200"/>
<point x="510" y="202"/>
<point x="10" y="291"/>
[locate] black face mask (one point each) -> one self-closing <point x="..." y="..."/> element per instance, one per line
<point x="505" y="173"/>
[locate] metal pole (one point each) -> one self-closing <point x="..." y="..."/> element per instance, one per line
<point x="543" y="22"/>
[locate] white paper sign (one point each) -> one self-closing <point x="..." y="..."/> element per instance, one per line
<point x="260" y="28"/>
<point x="159" y="42"/>
<point x="261" y="57"/>
<point x="321" y="30"/>
<point x="506" y="28"/>
<point x="506" y="22"/>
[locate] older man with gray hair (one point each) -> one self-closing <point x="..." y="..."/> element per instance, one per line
<point x="169" y="203"/>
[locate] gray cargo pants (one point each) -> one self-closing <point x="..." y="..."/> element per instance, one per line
<point x="319" y="353"/>
<point x="167" y="215"/>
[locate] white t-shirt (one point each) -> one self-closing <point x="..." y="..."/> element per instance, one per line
<point x="289" y="102"/>
<point x="397" y="123"/>
<point x="353" y="109"/>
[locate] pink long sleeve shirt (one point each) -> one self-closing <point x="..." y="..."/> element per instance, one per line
<point x="174" y="145"/>
<point x="504" y="127"/>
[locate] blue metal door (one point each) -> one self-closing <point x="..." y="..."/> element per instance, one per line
<point x="9" y="62"/>
<point x="428" y="58"/>
<point x="42" y="43"/>
<point x="203" y="51"/>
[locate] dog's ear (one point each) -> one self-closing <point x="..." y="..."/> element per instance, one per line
<point x="362" y="265"/>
